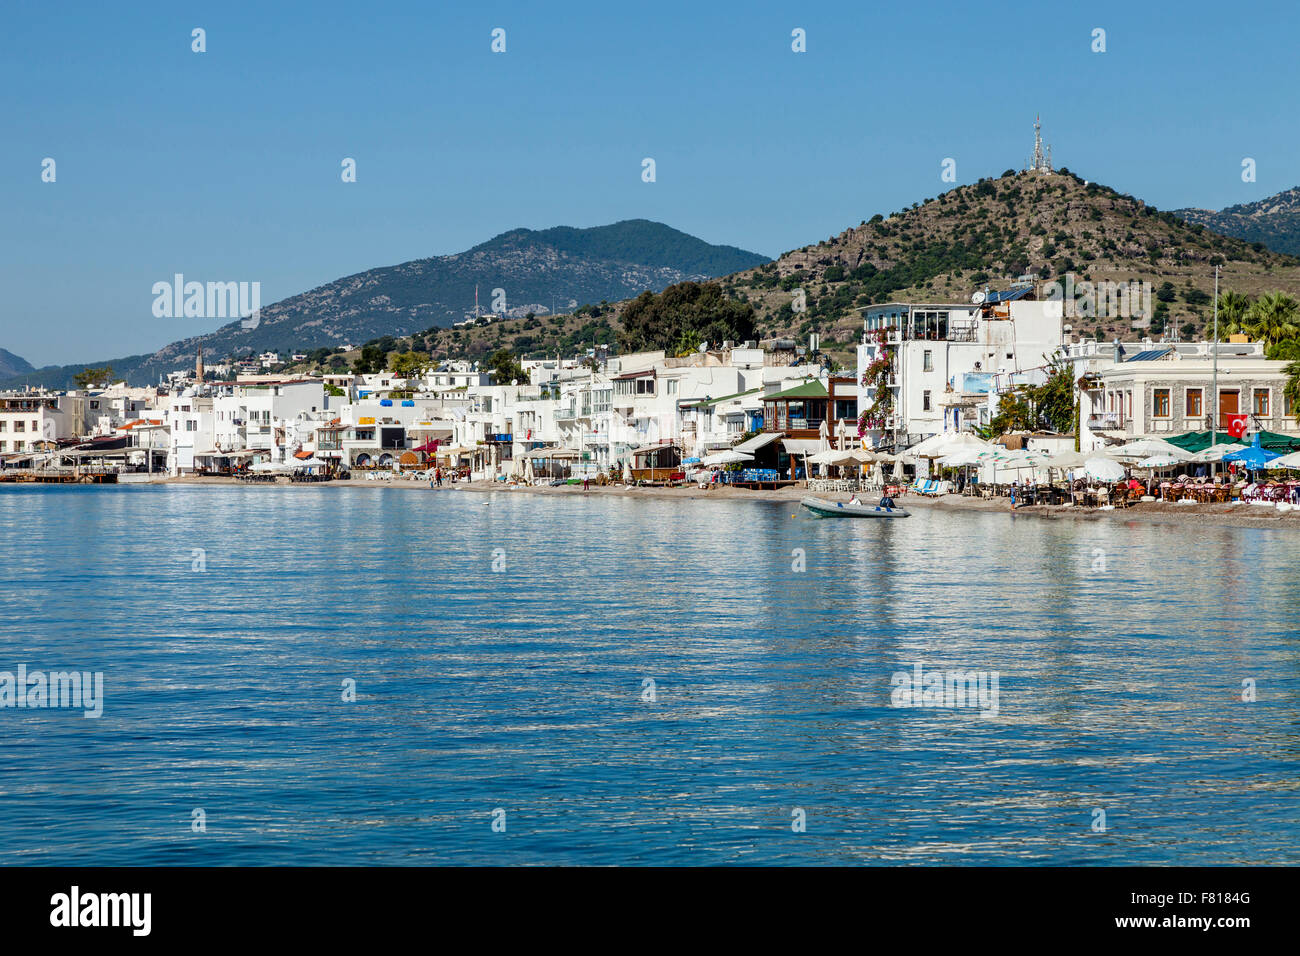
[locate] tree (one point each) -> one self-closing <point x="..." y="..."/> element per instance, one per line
<point x="408" y="365"/>
<point x="1232" y="312"/>
<point x="1273" y="316"/>
<point x="505" y="368"/>
<point x="370" y="361"/>
<point x="1292" y="388"/>
<point x="94" y="376"/>
<point x="661" y="321"/>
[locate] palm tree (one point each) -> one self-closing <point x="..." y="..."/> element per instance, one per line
<point x="1273" y="317"/>
<point x="1292" y="388"/>
<point x="1233" y="307"/>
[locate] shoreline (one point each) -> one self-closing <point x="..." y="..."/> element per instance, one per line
<point x="1230" y="515"/>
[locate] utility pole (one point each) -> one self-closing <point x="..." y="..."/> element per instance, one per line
<point x="1214" y="422"/>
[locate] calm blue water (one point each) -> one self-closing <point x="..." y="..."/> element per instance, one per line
<point x="523" y="689"/>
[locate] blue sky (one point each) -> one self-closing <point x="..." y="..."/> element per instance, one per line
<point x="225" y="165"/>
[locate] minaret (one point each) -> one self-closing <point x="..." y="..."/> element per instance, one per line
<point x="198" y="367"/>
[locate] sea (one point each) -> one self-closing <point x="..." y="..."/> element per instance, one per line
<point x="403" y="676"/>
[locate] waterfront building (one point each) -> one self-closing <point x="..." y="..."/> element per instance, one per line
<point x="1127" y="390"/>
<point x="28" y="419"/>
<point x="926" y="368"/>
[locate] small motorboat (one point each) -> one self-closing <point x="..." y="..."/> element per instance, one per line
<point x="842" y="509"/>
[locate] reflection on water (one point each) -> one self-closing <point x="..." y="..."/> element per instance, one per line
<point x="1121" y="649"/>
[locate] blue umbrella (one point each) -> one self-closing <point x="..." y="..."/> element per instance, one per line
<point x="1252" y="456"/>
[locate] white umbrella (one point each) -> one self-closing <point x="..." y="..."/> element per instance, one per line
<point x="840" y="434"/>
<point x="1103" y="469"/>
<point x="963" y="456"/>
<point x="833" y="456"/>
<point x="864" y="456"/>
<point x="728" y="457"/>
<point x="627" y="470"/>
<point x="1286" y="461"/>
<point x="898" y="467"/>
<point x="528" y="471"/>
<point x="1068" y="459"/>
<point x="1216" y="452"/>
<point x="1160" y="461"/>
<point x="1147" y="448"/>
<point x="877" y="474"/>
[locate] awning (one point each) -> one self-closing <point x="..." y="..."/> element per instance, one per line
<point x="802" y="446"/>
<point x="757" y="442"/>
<point x="646" y="449"/>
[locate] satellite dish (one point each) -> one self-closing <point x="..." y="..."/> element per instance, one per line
<point x="977" y="298"/>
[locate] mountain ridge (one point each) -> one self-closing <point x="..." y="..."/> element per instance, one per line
<point x="560" y="265"/>
<point x="1273" y="220"/>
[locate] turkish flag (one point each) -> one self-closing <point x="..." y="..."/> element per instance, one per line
<point x="1237" y="425"/>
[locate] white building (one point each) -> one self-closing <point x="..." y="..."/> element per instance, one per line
<point x="931" y="367"/>
<point x="1152" y="388"/>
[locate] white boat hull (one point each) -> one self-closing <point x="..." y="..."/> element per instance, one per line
<point x="838" y="509"/>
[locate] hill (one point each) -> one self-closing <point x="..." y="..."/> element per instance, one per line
<point x="991" y="232"/>
<point x="11" y="364"/>
<point x="1274" y="221"/>
<point x="563" y="266"/>
<point x="943" y="249"/>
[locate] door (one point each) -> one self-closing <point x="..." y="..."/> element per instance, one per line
<point x="1227" y="406"/>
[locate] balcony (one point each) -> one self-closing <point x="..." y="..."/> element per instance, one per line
<point x="1108" y="421"/>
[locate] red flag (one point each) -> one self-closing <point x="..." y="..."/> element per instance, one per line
<point x="1237" y="425"/>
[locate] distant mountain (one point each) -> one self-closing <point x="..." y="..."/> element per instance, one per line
<point x="559" y="265"/>
<point x="1274" y="221"/>
<point x="11" y="364"/>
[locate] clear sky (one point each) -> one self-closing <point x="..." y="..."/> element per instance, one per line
<point x="225" y="165"/>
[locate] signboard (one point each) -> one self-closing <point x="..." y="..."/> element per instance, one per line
<point x="365" y="421"/>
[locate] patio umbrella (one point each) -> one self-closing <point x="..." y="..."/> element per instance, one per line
<point x="728" y="457"/>
<point x="865" y="457"/>
<point x="898" y="467"/>
<point x="1252" y="456"/>
<point x="877" y="474"/>
<point x="1103" y="469"/>
<point x="841" y="434"/>
<point x="1159" y="461"/>
<point x="627" y="471"/>
<point x="528" y="471"/>
<point x="1067" y="459"/>
<point x="1147" y="448"/>
<point x="833" y="456"/>
<point x="1216" y="452"/>
<point x="1286" y="461"/>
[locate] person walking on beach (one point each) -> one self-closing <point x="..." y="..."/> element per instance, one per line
<point x="586" y="482"/>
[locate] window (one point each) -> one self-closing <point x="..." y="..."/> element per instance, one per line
<point x="4" y="424"/>
<point x="925" y="400"/>
<point x="4" y="446"/>
<point x="1160" y="403"/>
<point x="927" y="361"/>
<point x="1260" y="406"/>
<point x="1288" y="406"/>
<point x="20" y="425"/>
<point x="1195" y="402"/>
<point x="672" y="386"/>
